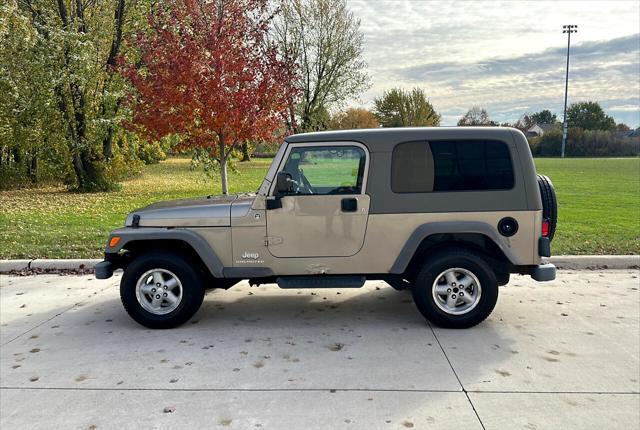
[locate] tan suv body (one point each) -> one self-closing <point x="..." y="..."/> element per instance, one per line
<point x="338" y="208"/>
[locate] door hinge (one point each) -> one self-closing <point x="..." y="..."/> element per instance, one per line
<point x="272" y="240"/>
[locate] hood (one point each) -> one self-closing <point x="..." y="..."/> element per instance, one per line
<point x="209" y="211"/>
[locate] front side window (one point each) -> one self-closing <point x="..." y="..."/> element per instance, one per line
<point x="451" y="165"/>
<point x="326" y="170"/>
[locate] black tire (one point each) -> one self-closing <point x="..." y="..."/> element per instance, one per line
<point x="192" y="289"/>
<point x="455" y="258"/>
<point x="503" y="278"/>
<point x="549" y="203"/>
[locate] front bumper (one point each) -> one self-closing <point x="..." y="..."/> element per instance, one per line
<point x="543" y="272"/>
<point x="103" y="270"/>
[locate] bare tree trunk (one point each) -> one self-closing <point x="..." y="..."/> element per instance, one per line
<point x="290" y="119"/>
<point x="17" y="157"/>
<point x="116" y="42"/>
<point x="222" y="159"/>
<point x="33" y="169"/>
<point x="223" y="176"/>
<point x="78" y="169"/>
<point x="107" y="144"/>
<point x="245" y="152"/>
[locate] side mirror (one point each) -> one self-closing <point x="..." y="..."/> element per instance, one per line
<point x="284" y="184"/>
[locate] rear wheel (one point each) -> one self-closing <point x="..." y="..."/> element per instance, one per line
<point x="161" y="290"/>
<point x="455" y="289"/>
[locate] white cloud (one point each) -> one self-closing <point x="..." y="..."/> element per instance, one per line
<point x="625" y="108"/>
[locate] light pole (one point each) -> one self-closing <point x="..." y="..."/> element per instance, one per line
<point x="566" y="29"/>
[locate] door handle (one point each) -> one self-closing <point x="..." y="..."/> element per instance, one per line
<point x="349" y="205"/>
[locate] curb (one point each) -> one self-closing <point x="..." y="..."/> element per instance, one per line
<point x="70" y="264"/>
<point x="13" y="265"/>
<point x="563" y="262"/>
<point x="44" y="265"/>
<point x="596" y="262"/>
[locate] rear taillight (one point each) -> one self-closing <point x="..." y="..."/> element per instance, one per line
<point x="545" y="228"/>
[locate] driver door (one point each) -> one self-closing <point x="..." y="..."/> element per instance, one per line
<point x="325" y="215"/>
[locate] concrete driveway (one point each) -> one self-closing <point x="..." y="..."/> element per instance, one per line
<point x="556" y="355"/>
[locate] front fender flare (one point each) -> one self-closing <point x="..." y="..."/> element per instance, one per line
<point x="425" y="230"/>
<point x="199" y="245"/>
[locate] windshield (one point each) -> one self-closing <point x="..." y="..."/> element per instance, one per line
<point x="264" y="187"/>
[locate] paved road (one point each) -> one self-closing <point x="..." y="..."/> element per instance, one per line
<point x="557" y="355"/>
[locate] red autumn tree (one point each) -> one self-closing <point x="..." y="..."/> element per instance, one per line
<point x="208" y="72"/>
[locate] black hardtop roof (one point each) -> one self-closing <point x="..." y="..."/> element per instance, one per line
<point x="383" y="139"/>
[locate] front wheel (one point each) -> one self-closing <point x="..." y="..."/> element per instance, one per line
<point x="161" y="290"/>
<point x="456" y="289"/>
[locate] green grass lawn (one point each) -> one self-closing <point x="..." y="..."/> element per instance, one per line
<point x="53" y="223"/>
<point x="599" y="202"/>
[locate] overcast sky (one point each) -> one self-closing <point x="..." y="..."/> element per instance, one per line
<point x="508" y="57"/>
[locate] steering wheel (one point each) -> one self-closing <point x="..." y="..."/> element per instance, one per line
<point x="306" y="183"/>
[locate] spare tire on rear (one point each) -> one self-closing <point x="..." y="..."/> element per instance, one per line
<point x="549" y="203"/>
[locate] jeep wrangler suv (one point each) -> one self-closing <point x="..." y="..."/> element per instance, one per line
<point x="447" y="213"/>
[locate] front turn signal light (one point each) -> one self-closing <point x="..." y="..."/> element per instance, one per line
<point x="114" y="241"/>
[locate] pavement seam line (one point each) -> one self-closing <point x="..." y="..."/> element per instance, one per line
<point x="456" y="375"/>
<point x="240" y="390"/>
<point x="617" y="393"/>
<point x="39" y="325"/>
<point x="55" y="316"/>
<point x="591" y="393"/>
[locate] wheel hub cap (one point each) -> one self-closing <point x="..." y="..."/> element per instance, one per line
<point x="159" y="291"/>
<point x="456" y="291"/>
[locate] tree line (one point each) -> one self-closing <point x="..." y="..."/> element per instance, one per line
<point x="591" y="132"/>
<point x="400" y="108"/>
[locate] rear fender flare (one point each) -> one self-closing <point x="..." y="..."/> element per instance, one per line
<point x="425" y="230"/>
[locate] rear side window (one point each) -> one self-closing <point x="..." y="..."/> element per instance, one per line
<point x="451" y="165"/>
